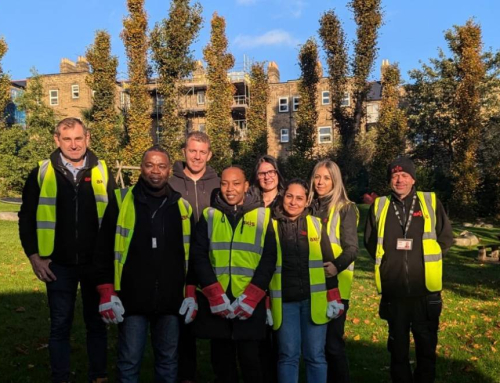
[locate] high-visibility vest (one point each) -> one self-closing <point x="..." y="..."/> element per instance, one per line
<point x="433" y="259"/>
<point x="333" y="229"/>
<point x="126" y="224"/>
<point x="317" y="279"/>
<point x="235" y="255"/>
<point x="46" y="210"/>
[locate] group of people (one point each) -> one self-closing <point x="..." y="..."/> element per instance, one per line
<point x="261" y="267"/>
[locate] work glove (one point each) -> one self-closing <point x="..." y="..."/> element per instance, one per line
<point x="245" y="304"/>
<point x="218" y="300"/>
<point x="335" y="306"/>
<point x="269" y="316"/>
<point x="110" y="306"/>
<point x="189" y="304"/>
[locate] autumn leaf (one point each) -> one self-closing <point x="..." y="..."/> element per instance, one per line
<point x="357" y="337"/>
<point x="355" y="321"/>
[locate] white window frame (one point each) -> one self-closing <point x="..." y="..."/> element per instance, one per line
<point x="75" y="91"/>
<point x="325" y="97"/>
<point x="284" y="135"/>
<point x="346" y="100"/>
<point x="200" y="97"/>
<point x="284" y="104"/>
<point x="320" y="135"/>
<point x="202" y="127"/>
<point x="53" y="100"/>
<point x="295" y="103"/>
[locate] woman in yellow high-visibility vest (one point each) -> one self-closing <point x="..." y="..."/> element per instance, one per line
<point x="303" y="299"/>
<point x="339" y="215"/>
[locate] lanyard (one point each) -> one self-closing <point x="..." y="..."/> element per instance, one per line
<point x="408" y="222"/>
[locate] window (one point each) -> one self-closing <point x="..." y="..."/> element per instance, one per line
<point x="284" y="136"/>
<point x="75" y="91"/>
<point x="201" y="128"/>
<point x="372" y="113"/>
<point x="325" y="97"/>
<point x="200" y="97"/>
<point x="283" y="104"/>
<point x="346" y="101"/>
<point x="54" y="97"/>
<point x="324" y="134"/>
<point x="124" y="100"/>
<point x="296" y="101"/>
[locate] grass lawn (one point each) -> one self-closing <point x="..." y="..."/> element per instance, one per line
<point x="469" y="339"/>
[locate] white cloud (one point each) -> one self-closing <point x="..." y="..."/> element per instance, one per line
<point x="273" y="37"/>
<point x="246" y="2"/>
<point x="291" y="8"/>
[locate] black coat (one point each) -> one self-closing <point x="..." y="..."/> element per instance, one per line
<point x="207" y="325"/>
<point x="402" y="273"/>
<point x="294" y="242"/>
<point x="153" y="278"/>
<point x="77" y="224"/>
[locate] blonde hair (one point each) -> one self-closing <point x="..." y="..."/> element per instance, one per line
<point x="337" y="197"/>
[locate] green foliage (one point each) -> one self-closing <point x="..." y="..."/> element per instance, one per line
<point x="20" y="151"/>
<point x="4" y="84"/>
<point x="307" y="113"/>
<point x="171" y="40"/>
<point x="220" y="91"/>
<point x="255" y="144"/>
<point x="102" y="117"/>
<point x="391" y="129"/>
<point x="138" y="119"/>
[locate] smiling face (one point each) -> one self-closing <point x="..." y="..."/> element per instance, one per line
<point x="197" y="154"/>
<point x="402" y="183"/>
<point x="155" y="169"/>
<point x="233" y="186"/>
<point x="268" y="177"/>
<point x="73" y="143"/>
<point x="294" y="201"/>
<point x="323" y="182"/>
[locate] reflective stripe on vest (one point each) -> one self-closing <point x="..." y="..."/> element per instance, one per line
<point x="125" y="229"/>
<point x="333" y="229"/>
<point x="47" y="202"/>
<point x="316" y="276"/>
<point x="235" y="255"/>
<point x="432" y="254"/>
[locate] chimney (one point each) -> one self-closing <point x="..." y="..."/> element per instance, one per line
<point x="82" y="65"/>
<point x="67" y="66"/>
<point x="273" y="72"/>
<point x="320" y="69"/>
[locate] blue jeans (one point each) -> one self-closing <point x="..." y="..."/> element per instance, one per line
<point x="298" y="332"/>
<point x="132" y="336"/>
<point x="61" y="295"/>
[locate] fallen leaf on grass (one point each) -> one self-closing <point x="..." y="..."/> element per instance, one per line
<point x="22" y="350"/>
<point x="473" y="358"/>
<point x="357" y="337"/>
<point x="493" y="349"/>
<point x="367" y="321"/>
<point x="355" y="321"/>
<point x="20" y="310"/>
<point x="31" y="365"/>
<point x="42" y="346"/>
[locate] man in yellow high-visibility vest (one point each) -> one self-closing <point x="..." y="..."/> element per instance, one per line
<point x="407" y="233"/>
<point x="64" y="201"/>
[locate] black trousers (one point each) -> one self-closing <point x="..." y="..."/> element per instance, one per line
<point x="338" y="364"/>
<point x="224" y="353"/>
<point x="187" y="353"/>
<point x="421" y="316"/>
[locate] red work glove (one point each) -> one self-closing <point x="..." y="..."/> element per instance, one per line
<point x="245" y="304"/>
<point x="335" y="306"/>
<point x="189" y="304"/>
<point x="219" y="302"/>
<point x="110" y="306"/>
<point x="269" y="316"/>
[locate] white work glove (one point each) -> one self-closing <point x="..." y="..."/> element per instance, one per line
<point x="110" y="306"/>
<point x="189" y="304"/>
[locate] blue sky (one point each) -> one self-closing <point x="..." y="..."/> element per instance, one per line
<point x="41" y="32"/>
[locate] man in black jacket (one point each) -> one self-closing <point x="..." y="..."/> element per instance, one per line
<point x="63" y="203"/>
<point x="407" y="233"/>
<point x="145" y="262"/>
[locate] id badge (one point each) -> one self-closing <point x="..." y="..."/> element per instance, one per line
<point x="404" y="244"/>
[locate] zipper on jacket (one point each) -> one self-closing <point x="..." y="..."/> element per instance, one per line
<point x="76" y="220"/>
<point x="196" y="199"/>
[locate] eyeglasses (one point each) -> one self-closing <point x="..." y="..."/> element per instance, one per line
<point x="269" y="173"/>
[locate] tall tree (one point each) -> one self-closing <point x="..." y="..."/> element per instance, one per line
<point x="466" y="44"/>
<point x="4" y="83"/>
<point x="220" y="93"/>
<point x="255" y="143"/>
<point x="391" y="128"/>
<point x="138" y="119"/>
<point x="104" y="121"/>
<point x="171" y="40"/>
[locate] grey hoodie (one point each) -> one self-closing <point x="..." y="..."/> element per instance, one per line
<point x="197" y="193"/>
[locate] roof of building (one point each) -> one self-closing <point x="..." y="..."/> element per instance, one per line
<point x="19" y="83"/>
<point x="375" y="92"/>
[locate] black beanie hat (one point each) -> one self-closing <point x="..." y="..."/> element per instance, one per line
<point x="401" y="164"/>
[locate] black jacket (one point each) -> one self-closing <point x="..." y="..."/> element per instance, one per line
<point x="402" y="273"/>
<point x="77" y="224"/>
<point x="199" y="193"/>
<point x="295" y="281"/>
<point x="207" y="325"/>
<point x="348" y="231"/>
<point x="153" y="278"/>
